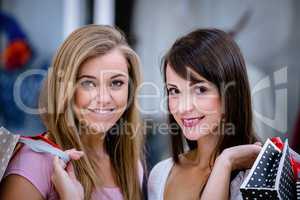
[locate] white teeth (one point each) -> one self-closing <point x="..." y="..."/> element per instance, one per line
<point x="102" y="111"/>
<point x="190" y="120"/>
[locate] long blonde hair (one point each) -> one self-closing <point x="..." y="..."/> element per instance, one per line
<point x="124" y="148"/>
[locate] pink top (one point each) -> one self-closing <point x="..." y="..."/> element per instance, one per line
<point x="38" y="168"/>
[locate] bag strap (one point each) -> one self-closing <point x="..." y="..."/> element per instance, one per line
<point x="41" y="144"/>
<point x="42" y="137"/>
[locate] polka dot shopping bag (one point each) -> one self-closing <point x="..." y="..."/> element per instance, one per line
<point x="271" y="176"/>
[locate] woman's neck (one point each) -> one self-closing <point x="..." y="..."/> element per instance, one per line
<point x="94" y="143"/>
<point x="95" y="149"/>
<point x="202" y="156"/>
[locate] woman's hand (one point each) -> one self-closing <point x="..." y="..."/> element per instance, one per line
<point x="239" y="157"/>
<point x="64" y="179"/>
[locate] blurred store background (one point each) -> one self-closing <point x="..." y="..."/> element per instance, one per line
<point x="268" y="32"/>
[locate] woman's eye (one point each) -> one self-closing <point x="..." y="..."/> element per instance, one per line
<point x="172" y="91"/>
<point x="117" y="84"/>
<point x="88" y="84"/>
<point x="200" y="89"/>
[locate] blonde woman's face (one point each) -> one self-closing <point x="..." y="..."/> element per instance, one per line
<point x="101" y="94"/>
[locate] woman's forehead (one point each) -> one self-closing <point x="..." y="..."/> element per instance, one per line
<point x="186" y="75"/>
<point x="109" y="64"/>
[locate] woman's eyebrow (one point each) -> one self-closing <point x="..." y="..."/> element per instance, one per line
<point x="196" y="82"/>
<point x="93" y="77"/>
<point x="86" y="76"/>
<point x="169" y="84"/>
<point x="118" y="75"/>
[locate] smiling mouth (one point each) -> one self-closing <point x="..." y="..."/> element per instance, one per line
<point x="191" y="122"/>
<point x="102" y="111"/>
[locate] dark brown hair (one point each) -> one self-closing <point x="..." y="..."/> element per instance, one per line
<point x="214" y="55"/>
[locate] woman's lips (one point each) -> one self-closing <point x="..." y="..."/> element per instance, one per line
<point x="190" y="122"/>
<point x="103" y="113"/>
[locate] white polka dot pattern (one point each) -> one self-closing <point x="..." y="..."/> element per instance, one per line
<point x="8" y="142"/>
<point x="287" y="186"/>
<point x="298" y="189"/>
<point x="271" y="176"/>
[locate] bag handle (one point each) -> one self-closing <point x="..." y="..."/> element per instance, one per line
<point x="41" y="144"/>
<point x="42" y="137"/>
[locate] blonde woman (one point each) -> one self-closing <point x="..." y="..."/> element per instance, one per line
<point x="90" y="99"/>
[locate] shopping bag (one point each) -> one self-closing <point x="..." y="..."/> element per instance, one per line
<point x="272" y="175"/>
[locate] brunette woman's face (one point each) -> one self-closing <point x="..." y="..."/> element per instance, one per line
<point x="196" y="106"/>
<point x="101" y="94"/>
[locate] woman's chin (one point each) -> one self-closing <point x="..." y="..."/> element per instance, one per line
<point x="97" y="128"/>
<point x="193" y="135"/>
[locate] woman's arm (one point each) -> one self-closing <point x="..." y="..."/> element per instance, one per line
<point x="217" y="186"/>
<point x="15" y="187"/>
<point x="238" y="157"/>
<point x="27" y="176"/>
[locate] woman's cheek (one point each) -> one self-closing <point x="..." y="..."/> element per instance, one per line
<point x="173" y="105"/>
<point x="120" y="98"/>
<point x="78" y="100"/>
<point x="82" y="99"/>
<point x="208" y="105"/>
<point x="212" y="112"/>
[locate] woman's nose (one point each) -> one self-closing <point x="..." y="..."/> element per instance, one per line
<point x="103" y="96"/>
<point x="185" y="104"/>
